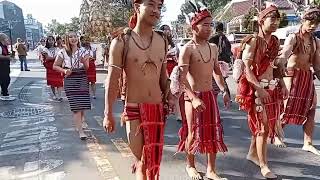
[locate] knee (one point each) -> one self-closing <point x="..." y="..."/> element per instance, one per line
<point x="140" y="167"/>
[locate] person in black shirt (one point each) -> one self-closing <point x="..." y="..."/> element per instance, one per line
<point x="4" y="65"/>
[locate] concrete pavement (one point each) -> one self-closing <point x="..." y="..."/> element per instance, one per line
<point x="38" y="142"/>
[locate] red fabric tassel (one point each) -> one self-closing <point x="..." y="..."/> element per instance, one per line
<point x="152" y="127"/>
<point x="133" y="21"/>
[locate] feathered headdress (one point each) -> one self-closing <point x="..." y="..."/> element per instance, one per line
<point x="310" y="10"/>
<point x="200" y="12"/>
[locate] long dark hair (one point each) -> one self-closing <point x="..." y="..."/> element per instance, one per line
<point x="47" y="42"/>
<point x="170" y="39"/>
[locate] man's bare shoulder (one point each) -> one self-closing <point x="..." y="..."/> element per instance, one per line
<point x="117" y="44"/>
<point x="189" y="46"/>
<point x="213" y="46"/>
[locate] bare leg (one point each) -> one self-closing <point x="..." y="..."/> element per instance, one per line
<point x="77" y="116"/>
<point x="177" y="110"/>
<point x="59" y="92"/>
<point x="53" y="90"/>
<point x="191" y="168"/>
<point x="252" y="154"/>
<point x="83" y="121"/>
<point x="261" y="142"/>
<point x="308" y="129"/>
<point x="136" y="145"/>
<point x="211" y="169"/>
<point x="93" y="89"/>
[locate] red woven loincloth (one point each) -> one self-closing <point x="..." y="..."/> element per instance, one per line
<point x="273" y="109"/>
<point x="54" y="78"/>
<point x="206" y="125"/>
<point x="152" y="127"/>
<point x="300" y="97"/>
<point x="91" y="72"/>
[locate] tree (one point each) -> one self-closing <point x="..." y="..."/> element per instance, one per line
<point x="56" y="28"/>
<point x="74" y="25"/>
<point x="283" y="20"/>
<point x="213" y="5"/>
<point x="248" y="23"/>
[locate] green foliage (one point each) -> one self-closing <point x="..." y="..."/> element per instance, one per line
<point x="248" y="24"/>
<point x="283" y="20"/>
<point x="56" y="28"/>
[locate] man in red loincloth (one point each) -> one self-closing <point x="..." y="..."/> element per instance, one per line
<point x="301" y="52"/>
<point x="261" y="88"/>
<point x="141" y="53"/>
<point x="202" y="130"/>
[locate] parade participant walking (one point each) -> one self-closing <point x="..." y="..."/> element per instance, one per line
<point x="301" y="52"/>
<point x="201" y="131"/>
<point x="54" y="78"/>
<point x="91" y="72"/>
<point x="4" y="66"/>
<point x="59" y="42"/>
<point x="141" y="53"/>
<point x="261" y="87"/>
<point x="172" y="61"/>
<point x="224" y="56"/>
<point x="73" y="63"/>
<point x="22" y="54"/>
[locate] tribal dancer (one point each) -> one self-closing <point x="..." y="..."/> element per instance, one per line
<point x="201" y="130"/>
<point x="54" y="78"/>
<point x="141" y="53"/>
<point x="91" y="72"/>
<point x="261" y="87"/>
<point x="301" y="52"/>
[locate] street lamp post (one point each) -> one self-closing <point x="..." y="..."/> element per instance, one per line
<point x="10" y="34"/>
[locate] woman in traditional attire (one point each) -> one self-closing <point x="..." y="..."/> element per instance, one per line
<point x="54" y="78"/>
<point x="73" y="62"/>
<point x="91" y="72"/>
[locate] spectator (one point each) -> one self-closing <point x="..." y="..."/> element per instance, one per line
<point x="4" y="65"/>
<point x="22" y="54"/>
<point x="223" y="44"/>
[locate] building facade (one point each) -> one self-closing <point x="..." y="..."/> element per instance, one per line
<point x="12" y="21"/>
<point x="34" y="31"/>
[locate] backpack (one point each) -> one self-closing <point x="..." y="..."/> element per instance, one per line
<point x="224" y="49"/>
<point x="125" y="36"/>
<point x="238" y="65"/>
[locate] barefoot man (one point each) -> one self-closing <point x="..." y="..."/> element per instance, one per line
<point x="301" y="52"/>
<point x="260" y="87"/>
<point x="141" y="53"/>
<point x="201" y="130"/>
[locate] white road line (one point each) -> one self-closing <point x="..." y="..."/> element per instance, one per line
<point x="53" y="176"/>
<point x="31" y="166"/>
<point x="103" y="164"/>
<point x="5" y="172"/>
<point x="123" y="147"/>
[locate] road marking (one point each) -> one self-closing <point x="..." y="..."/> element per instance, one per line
<point x="103" y="164"/>
<point x="31" y="166"/>
<point x="99" y="120"/>
<point x="123" y="147"/>
<point x="47" y="165"/>
<point x="5" y="172"/>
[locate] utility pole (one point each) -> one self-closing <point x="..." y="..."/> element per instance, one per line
<point x="10" y="34"/>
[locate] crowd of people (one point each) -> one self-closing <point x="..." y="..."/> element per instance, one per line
<point x="275" y="85"/>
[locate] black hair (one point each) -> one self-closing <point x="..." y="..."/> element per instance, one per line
<point x="313" y="16"/>
<point x="47" y="42"/>
<point x="219" y="26"/>
<point x="169" y="38"/>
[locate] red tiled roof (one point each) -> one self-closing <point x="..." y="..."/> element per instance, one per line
<point x="236" y="9"/>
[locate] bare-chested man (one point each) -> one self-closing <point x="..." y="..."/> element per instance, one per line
<point x="147" y="81"/>
<point x="201" y="131"/>
<point x="261" y="89"/>
<point x="301" y="52"/>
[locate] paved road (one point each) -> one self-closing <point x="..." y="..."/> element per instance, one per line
<point x="38" y="142"/>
